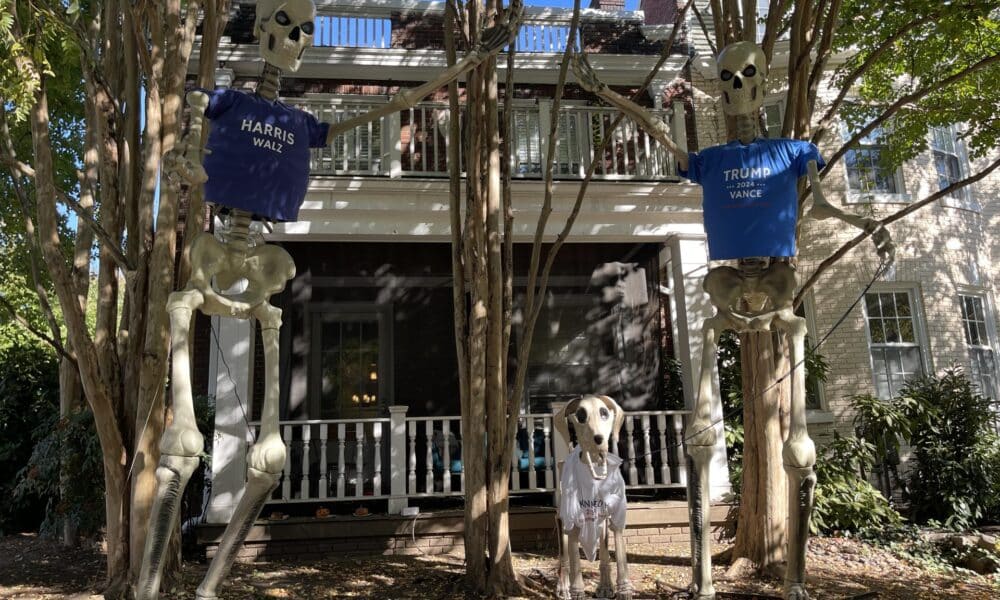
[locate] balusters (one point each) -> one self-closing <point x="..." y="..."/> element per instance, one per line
<point x="532" y="479"/>
<point x="461" y="473"/>
<point x="546" y="429"/>
<point x="647" y="452"/>
<point x="324" y="481"/>
<point x="429" y="473"/>
<point x="359" y="460"/>
<point x="377" y="460"/>
<point x="633" y="473"/>
<point x="661" y="426"/>
<point x="286" y="484"/>
<point x="680" y="449"/>
<point x="446" y="454"/>
<point x="306" y="438"/>
<point x="341" y="441"/>
<point x="412" y="460"/>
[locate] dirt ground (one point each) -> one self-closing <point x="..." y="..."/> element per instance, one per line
<point x="838" y="568"/>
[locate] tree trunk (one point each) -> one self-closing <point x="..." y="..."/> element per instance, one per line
<point x="69" y="403"/>
<point x="760" y="536"/>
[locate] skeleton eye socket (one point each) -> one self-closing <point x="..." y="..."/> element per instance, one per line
<point x="307" y="28"/>
<point x="605" y="414"/>
<point x="726" y="75"/>
<point x="282" y="18"/>
<point x="750" y="71"/>
<point x="581" y="415"/>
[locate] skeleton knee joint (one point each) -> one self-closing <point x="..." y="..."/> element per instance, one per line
<point x="267" y="456"/>
<point x="181" y="441"/>
<point x="799" y="452"/>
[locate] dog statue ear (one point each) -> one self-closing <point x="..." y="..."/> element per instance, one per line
<point x="561" y="421"/>
<point x="617" y="412"/>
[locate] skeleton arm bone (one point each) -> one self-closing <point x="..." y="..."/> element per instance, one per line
<point x="656" y="128"/>
<point x="822" y="209"/>
<point x="491" y="42"/>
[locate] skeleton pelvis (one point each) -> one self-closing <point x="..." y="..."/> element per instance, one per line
<point x="737" y="293"/>
<point x="217" y="267"/>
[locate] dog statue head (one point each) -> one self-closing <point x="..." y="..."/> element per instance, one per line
<point x="595" y="420"/>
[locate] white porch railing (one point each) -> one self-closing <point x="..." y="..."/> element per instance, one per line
<point x="400" y="457"/>
<point x="414" y="142"/>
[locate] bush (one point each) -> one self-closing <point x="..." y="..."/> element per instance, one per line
<point x="845" y="501"/>
<point x="29" y="397"/>
<point x="955" y="469"/>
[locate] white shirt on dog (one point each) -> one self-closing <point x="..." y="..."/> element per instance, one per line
<point x="587" y="503"/>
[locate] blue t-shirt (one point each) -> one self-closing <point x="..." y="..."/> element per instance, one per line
<point x="259" y="159"/>
<point x="750" y="201"/>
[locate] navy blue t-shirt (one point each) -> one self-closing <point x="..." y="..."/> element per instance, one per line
<point x="750" y="201"/>
<point x="259" y="159"/>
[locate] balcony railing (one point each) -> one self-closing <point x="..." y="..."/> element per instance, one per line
<point x="400" y="457"/>
<point x="414" y="142"/>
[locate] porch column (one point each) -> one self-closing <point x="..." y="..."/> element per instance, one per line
<point x="397" y="460"/>
<point x="685" y="260"/>
<point x="231" y="364"/>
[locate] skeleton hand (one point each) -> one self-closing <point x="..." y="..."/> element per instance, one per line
<point x="882" y="240"/>
<point x="493" y="39"/>
<point x="585" y="75"/>
<point x="183" y="165"/>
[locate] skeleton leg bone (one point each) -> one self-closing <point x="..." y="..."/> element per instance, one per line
<point x="179" y="447"/>
<point x="799" y="457"/>
<point x="604" y="588"/>
<point x="701" y="438"/>
<point x="624" y="589"/>
<point x="265" y="461"/>
<point x="577" y="591"/>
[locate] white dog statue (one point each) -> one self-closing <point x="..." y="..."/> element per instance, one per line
<point x="591" y="497"/>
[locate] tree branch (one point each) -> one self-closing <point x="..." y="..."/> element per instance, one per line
<point x="20" y="320"/>
<point x="833" y="258"/>
<point x="908" y="99"/>
<point x="824" y="123"/>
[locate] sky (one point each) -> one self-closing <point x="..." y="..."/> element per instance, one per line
<point x="629" y="4"/>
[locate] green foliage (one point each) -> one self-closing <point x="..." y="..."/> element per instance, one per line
<point x="29" y="396"/>
<point x="731" y="389"/>
<point x="950" y="37"/>
<point x="955" y="468"/>
<point x="845" y="501"/>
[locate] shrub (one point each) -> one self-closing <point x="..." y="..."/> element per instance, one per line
<point x="955" y="469"/>
<point x="845" y="501"/>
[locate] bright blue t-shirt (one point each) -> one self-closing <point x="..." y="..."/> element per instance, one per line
<point x="750" y="201"/>
<point x="259" y="159"/>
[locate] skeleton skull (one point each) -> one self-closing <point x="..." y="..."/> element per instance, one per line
<point x="742" y="68"/>
<point x="285" y="29"/>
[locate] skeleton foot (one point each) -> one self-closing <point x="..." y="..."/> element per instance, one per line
<point x="796" y="591"/>
<point x="172" y="476"/>
<point x="625" y="590"/>
<point x="604" y="590"/>
<point x="578" y="595"/>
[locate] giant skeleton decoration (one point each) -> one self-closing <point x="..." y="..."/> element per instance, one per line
<point x="591" y="497"/>
<point x="751" y="214"/>
<point x="257" y="166"/>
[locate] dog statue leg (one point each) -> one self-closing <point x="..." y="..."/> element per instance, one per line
<point x="604" y="588"/>
<point x="577" y="591"/>
<point x="265" y="461"/>
<point x="624" y="588"/>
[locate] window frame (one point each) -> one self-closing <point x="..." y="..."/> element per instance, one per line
<point x="970" y="201"/>
<point x="854" y="196"/>
<point x="820" y="413"/>
<point x="919" y="327"/>
<point x="991" y="334"/>
<point x="777" y="101"/>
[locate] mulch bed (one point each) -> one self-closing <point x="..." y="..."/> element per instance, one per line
<point x="838" y="568"/>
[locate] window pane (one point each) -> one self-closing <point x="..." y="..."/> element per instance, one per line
<point x="902" y="304"/>
<point x="872" y="306"/>
<point x="891" y="331"/>
<point x="877" y="332"/>
<point x="906" y="333"/>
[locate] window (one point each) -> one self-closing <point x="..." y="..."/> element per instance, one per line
<point x="815" y="365"/>
<point x="952" y="165"/>
<point x="868" y="178"/>
<point x="774" y="114"/>
<point x="894" y="340"/>
<point x="978" y="340"/>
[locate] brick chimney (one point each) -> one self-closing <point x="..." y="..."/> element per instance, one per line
<point x="658" y="12"/>
<point x="608" y="5"/>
